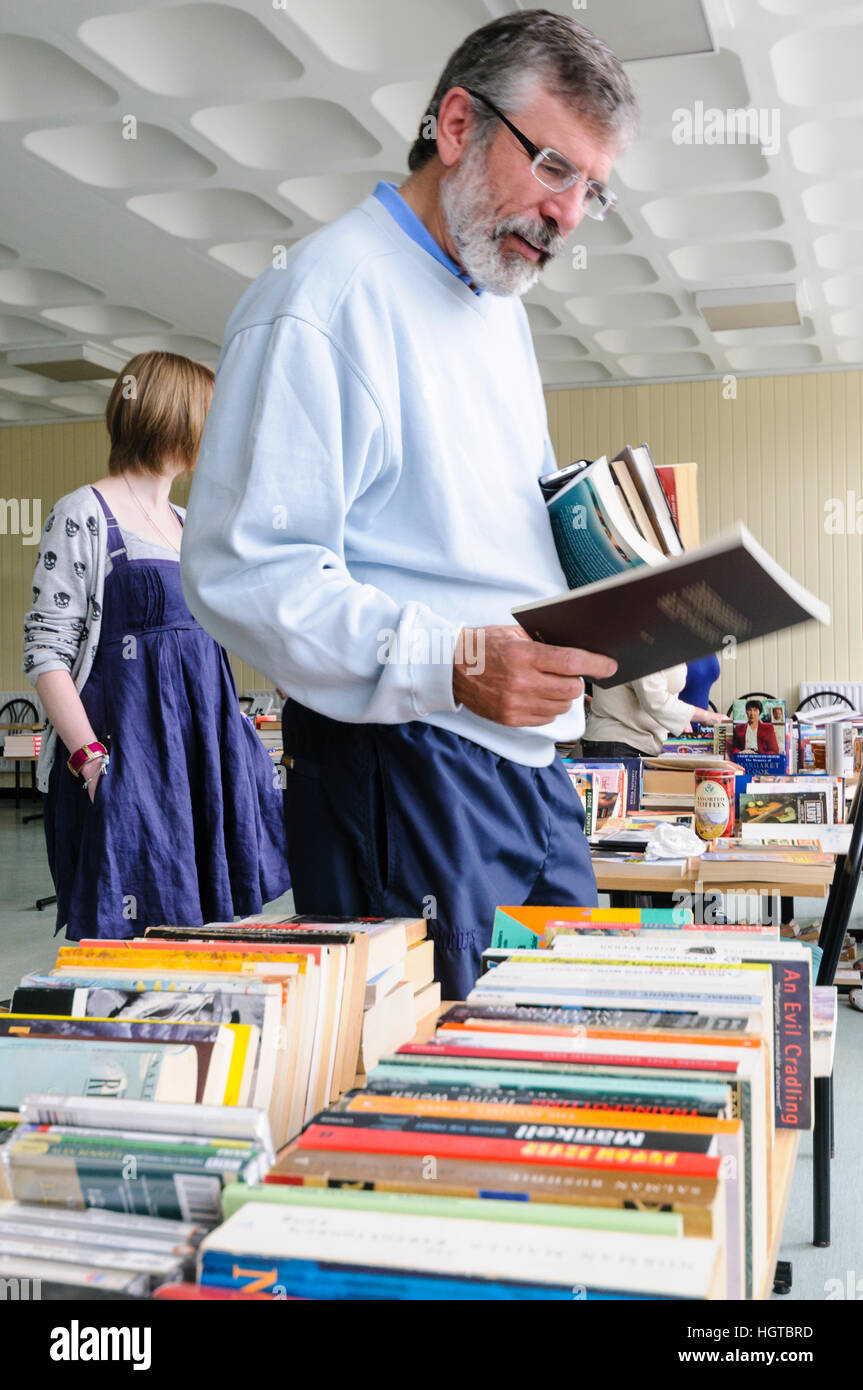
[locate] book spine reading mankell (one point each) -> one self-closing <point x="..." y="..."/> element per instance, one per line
<point x="329" y="1136"/>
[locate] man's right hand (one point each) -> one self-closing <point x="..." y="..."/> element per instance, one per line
<point x="514" y="680"/>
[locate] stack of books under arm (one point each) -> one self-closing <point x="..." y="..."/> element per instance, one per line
<point x="598" y="1120"/>
<point x="634" y="592"/>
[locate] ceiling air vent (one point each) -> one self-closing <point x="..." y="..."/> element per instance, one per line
<point x="753" y="306"/>
<point x="68" y="362"/>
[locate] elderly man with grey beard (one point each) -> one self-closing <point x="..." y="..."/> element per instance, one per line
<point x="366" y="510"/>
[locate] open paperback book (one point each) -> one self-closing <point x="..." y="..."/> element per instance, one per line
<point x="657" y="612"/>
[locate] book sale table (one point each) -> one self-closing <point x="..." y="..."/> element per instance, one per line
<point x="695" y="877"/>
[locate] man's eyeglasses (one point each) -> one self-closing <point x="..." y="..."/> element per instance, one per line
<point x="555" y="171"/>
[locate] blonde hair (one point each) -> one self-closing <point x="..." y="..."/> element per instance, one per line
<point x="156" y="410"/>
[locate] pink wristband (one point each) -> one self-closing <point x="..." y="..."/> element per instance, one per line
<point x="85" y="755"/>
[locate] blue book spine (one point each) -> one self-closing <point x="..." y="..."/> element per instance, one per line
<point x="311" y="1279"/>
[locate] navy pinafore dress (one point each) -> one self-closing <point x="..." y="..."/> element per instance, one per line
<point x="186" y="827"/>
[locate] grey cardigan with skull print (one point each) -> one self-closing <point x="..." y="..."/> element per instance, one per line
<point x="61" y="631"/>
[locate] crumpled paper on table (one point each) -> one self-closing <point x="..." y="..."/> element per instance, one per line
<point x="673" y="842"/>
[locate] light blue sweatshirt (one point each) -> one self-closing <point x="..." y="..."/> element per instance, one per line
<point x="367" y="484"/>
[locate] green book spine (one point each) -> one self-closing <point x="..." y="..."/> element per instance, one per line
<point x="660" y="1223"/>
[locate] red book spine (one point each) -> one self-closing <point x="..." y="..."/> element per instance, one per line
<point x="594" y="1059"/>
<point x="348" y="1139"/>
<point x="669" y="487"/>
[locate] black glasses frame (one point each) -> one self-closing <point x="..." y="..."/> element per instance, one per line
<point x="605" y="199"/>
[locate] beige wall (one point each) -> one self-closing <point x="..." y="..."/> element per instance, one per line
<point x="45" y="462"/>
<point x="771" y="458"/>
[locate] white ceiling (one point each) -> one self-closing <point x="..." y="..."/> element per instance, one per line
<point x="259" y="120"/>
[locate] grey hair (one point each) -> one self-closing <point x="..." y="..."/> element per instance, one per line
<point x="505" y="59"/>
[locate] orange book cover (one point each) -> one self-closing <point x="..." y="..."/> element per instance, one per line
<point x="481" y="1025"/>
<point x="369" y="1103"/>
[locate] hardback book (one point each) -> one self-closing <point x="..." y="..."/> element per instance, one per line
<point x="680" y="485"/>
<point x="652" y="616"/>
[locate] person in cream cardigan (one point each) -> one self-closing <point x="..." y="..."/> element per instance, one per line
<point x="635" y="719"/>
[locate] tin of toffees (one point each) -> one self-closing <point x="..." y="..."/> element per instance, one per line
<point x="714" y="802"/>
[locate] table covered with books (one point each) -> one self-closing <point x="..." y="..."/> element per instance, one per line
<point x="251" y="1110"/>
<point x="786" y="813"/>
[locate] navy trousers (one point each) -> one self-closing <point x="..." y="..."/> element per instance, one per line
<point x="406" y="820"/>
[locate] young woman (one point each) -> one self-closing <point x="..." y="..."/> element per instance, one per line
<point x="161" y="804"/>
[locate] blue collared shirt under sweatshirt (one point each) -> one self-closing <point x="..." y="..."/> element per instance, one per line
<point x="366" y="485"/>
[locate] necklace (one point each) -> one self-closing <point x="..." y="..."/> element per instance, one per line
<point x="149" y="518"/>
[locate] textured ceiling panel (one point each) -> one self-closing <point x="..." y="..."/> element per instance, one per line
<point x="616" y="310"/>
<point x="733" y="260"/>
<point x="38" y="287"/>
<point x="839" y="250"/>
<point x="187" y="347"/>
<point x="642" y="31"/>
<point x="81" y="403"/>
<point x="559" y="348"/>
<point x="154" y="157"/>
<point x="22" y="413"/>
<point x="18" y="332"/>
<point x="185" y="50"/>
<point x="327" y="196"/>
<point x="38" y="80"/>
<point x="386" y="35"/>
<point x="645" y="340"/>
<point x="657" y="166"/>
<point x="750" y="359"/>
<point x="667" y="84"/>
<point x="584" y="373"/>
<point x="208" y="213"/>
<point x="100" y="155"/>
<point x="605" y="274"/>
<point x="541" y="319"/>
<point x="712" y="216"/>
<point x="818" y="67"/>
<point x="827" y="147"/>
<point x="106" y="320"/>
<point x="275" y="134"/>
<point x="833" y="204"/>
<point x="654" y="364"/>
<point x="246" y="258"/>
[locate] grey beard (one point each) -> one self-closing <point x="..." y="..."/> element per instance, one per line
<point x="478" y="240"/>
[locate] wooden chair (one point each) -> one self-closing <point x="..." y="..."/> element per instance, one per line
<point x="19" y="716"/>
